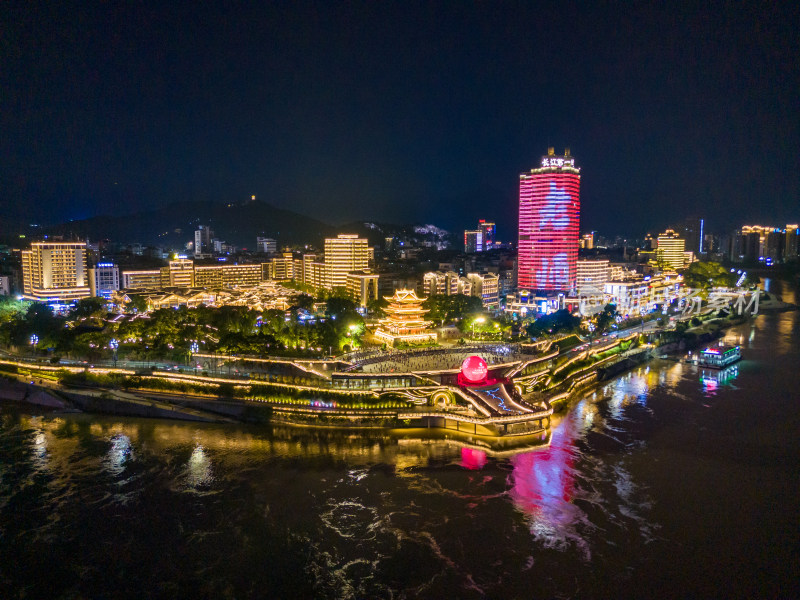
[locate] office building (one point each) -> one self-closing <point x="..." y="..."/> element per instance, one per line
<point x="508" y="282"/>
<point x="791" y="246"/>
<point x="670" y="250"/>
<point x="591" y="277"/>
<point x="345" y="254"/>
<point x="630" y="296"/>
<point x="202" y="240"/>
<point x="313" y="271"/>
<point x="55" y="272"/>
<point x="178" y="273"/>
<point x="487" y="229"/>
<point x="549" y="212"/>
<point x="228" y="276"/>
<point x="141" y="280"/>
<point x="266" y="245"/>
<point x="441" y="283"/>
<point x="283" y="267"/>
<point x="104" y="279"/>
<point x="473" y="241"/>
<point x="486" y="287"/>
<point x="692" y="230"/>
<point x="362" y="287"/>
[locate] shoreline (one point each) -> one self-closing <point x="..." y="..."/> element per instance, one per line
<point x="149" y="403"/>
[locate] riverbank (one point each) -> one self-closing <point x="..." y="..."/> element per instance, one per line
<point x="217" y="399"/>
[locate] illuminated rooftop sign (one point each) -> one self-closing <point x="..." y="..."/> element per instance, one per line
<point x="558" y="162"/>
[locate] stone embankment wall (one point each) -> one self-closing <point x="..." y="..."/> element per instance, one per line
<point x="16" y="391"/>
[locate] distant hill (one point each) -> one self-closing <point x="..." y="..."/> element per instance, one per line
<point x="174" y="225"/>
<point x="240" y="224"/>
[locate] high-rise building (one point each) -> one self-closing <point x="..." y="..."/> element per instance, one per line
<point x="55" y="272"/>
<point x="486" y="287"/>
<point x="312" y="271"/>
<point x="791" y="244"/>
<point x="592" y="276"/>
<point x="344" y="254"/>
<point x="283" y="267"/>
<point x="104" y="279"/>
<point x="692" y="230"/>
<point x="473" y="241"/>
<point x="266" y="245"/>
<point x="202" y="240"/>
<point x="549" y="212"/>
<point x="488" y="230"/>
<point x="670" y="250"/>
<point x="762" y="243"/>
<point x="179" y="273"/>
<point x="362" y="287"/>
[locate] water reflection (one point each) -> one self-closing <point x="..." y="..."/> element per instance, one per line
<point x="39" y="451"/>
<point x="118" y="454"/>
<point x="714" y="379"/>
<point x="375" y="514"/>
<point x="199" y="468"/>
<point x="543" y="483"/>
<point x="472" y="458"/>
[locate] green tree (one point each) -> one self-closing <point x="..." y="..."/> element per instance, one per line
<point x="448" y="309"/>
<point x="560" y="321"/>
<point x="88" y="307"/>
<point x="304" y="301"/>
<point x="707" y="274"/>
<point x="136" y="304"/>
<point x="607" y="317"/>
<point x="11" y="308"/>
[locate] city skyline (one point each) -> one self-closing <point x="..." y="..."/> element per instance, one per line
<point x="399" y="114"/>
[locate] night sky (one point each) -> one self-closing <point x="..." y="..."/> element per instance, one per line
<point x="403" y="112"/>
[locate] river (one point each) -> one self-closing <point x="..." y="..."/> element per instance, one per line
<point x="669" y="481"/>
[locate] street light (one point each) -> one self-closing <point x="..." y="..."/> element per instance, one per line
<point x="476" y="320"/>
<point x="34" y="341"/>
<point x="114" y="344"/>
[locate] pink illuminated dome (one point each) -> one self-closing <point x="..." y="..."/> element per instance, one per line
<point x="474" y="369"/>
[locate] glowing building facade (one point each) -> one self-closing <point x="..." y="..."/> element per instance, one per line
<point x="104" y="279"/>
<point x="55" y="272"/>
<point x="671" y="249"/>
<point x="473" y="241"/>
<point x="344" y="254"/>
<point x="592" y="276"/>
<point x="487" y="228"/>
<point x="549" y="213"/>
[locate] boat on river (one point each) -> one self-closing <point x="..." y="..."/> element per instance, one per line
<point x="718" y="357"/>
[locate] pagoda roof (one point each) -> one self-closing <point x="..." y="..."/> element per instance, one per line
<point x="404" y="297"/>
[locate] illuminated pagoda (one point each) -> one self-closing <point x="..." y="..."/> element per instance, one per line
<point x="404" y="320"/>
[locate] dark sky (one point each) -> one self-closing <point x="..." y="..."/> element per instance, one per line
<point x="403" y="111"/>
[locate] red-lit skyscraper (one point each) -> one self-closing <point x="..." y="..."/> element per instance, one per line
<point x="549" y="213"/>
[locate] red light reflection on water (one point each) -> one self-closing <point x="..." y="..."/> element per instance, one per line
<point x="472" y="459"/>
<point x="543" y="480"/>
